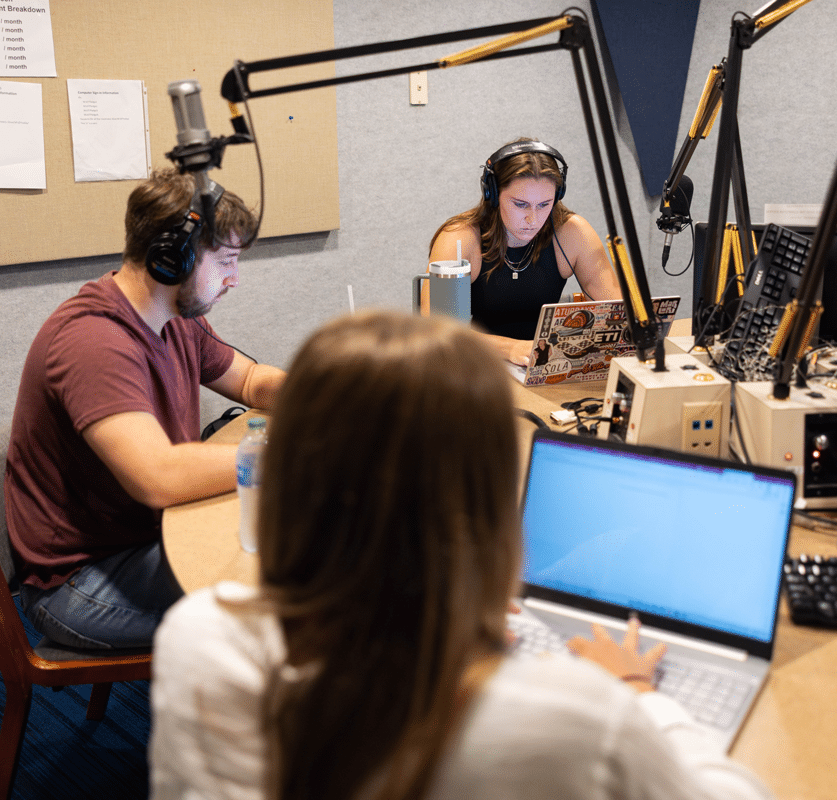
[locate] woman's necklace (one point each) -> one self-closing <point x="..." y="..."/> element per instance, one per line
<point x="525" y="260"/>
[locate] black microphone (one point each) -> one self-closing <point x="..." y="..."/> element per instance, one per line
<point x="677" y="214"/>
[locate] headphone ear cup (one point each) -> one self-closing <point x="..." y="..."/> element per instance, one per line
<point x="488" y="182"/>
<point x="171" y="257"/>
<point x="562" y="189"/>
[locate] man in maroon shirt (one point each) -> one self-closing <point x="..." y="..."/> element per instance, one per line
<point x="107" y="422"/>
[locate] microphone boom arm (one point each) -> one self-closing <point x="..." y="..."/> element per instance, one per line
<point x="575" y="35"/>
<point x="805" y="308"/>
<point x="708" y="108"/>
<point x="729" y="165"/>
<point x="235" y="86"/>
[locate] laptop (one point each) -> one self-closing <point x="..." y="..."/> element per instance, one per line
<point x="693" y="545"/>
<point x="576" y="341"/>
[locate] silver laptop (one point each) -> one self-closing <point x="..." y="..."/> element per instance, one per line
<point x="693" y="545"/>
<point x="575" y="342"/>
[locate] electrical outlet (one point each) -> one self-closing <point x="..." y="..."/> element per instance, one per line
<point x="702" y="428"/>
<point x="418" y="88"/>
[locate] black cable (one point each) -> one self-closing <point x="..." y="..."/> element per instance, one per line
<point x="718" y="308"/>
<point x="815" y="522"/>
<point x="574" y="404"/>
<point x="217" y="241"/>
<point x="572" y="269"/>
<point x="533" y="418"/>
<point x="259" y="164"/>
<point x="581" y="13"/>
<point x="221" y="341"/>
<point x="578" y="407"/>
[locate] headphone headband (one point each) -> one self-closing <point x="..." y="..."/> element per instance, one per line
<point x="491" y="190"/>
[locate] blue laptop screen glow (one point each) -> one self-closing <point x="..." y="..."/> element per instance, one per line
<point x="691" y="543"/>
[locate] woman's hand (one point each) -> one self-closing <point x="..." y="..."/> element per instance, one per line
<point x="511" y="636"/>
<point x="624" y="661"/>
<point x="519" y="351"/>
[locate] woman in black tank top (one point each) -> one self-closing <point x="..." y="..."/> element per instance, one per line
<point x="523" y="244"/>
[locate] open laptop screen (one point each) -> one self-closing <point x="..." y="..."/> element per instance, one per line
<point x="690" y="539"/>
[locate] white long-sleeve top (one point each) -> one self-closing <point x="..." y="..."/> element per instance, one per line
<point x="547" y="728"/>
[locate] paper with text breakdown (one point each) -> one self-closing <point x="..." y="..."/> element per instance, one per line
<point x="22" y="164"/>
<point x="109" y="121"/>
<point x="26" y="39"/>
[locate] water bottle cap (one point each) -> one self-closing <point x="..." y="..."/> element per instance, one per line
<point x="256" y="422"/>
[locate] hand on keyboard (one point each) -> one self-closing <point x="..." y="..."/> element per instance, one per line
<point x="622" y="660"/>
<point x="511" y="635"/>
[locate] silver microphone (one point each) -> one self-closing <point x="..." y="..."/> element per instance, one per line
<point x="667" y="246"/>
<point x="191" y="124"/>
<point x="192" y="132"/>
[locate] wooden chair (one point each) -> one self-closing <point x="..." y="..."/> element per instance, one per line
<point x="47" y="664"/>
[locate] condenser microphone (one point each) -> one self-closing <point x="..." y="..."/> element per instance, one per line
<point x="667" y="247"/>
<point x="195" y="148"/>
<point x="194" y="151"/>
<point x="192" y="132"/>
<point x="677" y="215"/>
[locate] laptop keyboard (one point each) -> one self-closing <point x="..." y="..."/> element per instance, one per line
<point x="712" y="695"/>
<point x="533" y="638"/>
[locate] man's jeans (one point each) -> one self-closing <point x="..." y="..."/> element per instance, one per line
<point x="116" y="602"/>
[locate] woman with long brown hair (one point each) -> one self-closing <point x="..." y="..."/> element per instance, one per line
<point x="523" y="244"/>
<point x="371" y="660"/>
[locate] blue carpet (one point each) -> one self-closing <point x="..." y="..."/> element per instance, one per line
<point x="67" y="756"/>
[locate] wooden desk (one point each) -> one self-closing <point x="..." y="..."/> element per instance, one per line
<point x="201" y="538"/>
<point x="788" y="739"/>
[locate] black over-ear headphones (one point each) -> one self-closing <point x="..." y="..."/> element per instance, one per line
<point x="171" y="255"/>
<point x="488" y="182"/>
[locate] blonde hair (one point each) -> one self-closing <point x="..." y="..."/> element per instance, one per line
<point x="486" y="218"/>
<point x="389" y="541"/>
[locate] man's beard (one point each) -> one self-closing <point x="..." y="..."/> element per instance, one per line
<point x="189" y="308"/>
<point x="188" y="304"/>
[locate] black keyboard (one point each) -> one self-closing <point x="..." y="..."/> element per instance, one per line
<point x="811" y="589"/>
<point x="772" y="282"/>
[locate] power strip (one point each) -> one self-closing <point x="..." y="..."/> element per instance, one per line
<point x="799" y="434"/>
<point x="687" y="407"/>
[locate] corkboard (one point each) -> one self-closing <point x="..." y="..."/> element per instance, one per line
<point x="159" y="41"/>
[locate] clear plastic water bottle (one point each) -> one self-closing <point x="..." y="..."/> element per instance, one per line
<point x="248" y="465"/>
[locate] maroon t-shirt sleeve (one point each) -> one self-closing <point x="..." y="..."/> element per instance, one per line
<point x="95" y="371"/>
